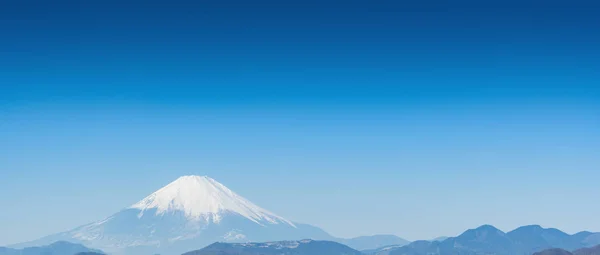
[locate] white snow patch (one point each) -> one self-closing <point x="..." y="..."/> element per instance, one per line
<point x="234" y="235"/>
<point x="391" y="247"/>
<point x="276" y="245"/>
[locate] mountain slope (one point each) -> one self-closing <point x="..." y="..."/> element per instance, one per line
<point x="303" y="247"/>
<point x="57" y="248"/>
<point x="188" y="213"/>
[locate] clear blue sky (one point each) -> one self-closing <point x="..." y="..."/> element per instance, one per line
<point x="359" y="118"/>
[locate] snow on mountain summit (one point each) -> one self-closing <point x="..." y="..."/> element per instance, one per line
<point x="203" y="198"/>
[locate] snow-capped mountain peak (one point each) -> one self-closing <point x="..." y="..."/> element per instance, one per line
<point x="203" y="198"/>
<point x="188" y="213"/>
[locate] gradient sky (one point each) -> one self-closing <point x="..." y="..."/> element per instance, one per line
<point x="361" y="117"/>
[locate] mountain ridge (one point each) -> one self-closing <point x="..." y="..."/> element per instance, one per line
<point x="487" y="239"/>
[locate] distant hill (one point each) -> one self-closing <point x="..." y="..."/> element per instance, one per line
<point x="363" y="243"/>
<point x="439" y="239"/>
<point x="416" y="248"/>
<point x="57" y="248"/>
<point x="533" y="238"/>
<point x="303" y="247"/>
<point x="588" y="238"/>
<point x="487" y="239"/>
<point x="382" y="250"/>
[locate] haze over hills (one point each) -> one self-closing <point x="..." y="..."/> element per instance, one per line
<point x="480" y="241"/>
<point x="195" y="211"/>
<point x="192" y="212"/>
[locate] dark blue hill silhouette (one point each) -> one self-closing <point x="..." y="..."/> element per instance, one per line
<point x="583" y="251"/>
<point x="487" y="239"/>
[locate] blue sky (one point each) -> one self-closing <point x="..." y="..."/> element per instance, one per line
<point x="359" y="118"/>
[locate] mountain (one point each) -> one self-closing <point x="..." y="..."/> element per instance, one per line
<point x="532" y="238"/>
<point x="188" y="213"/>
<point x="484" y="239"/>
<point x="303" y="247"/>
<point x="57" y="248"/>
<point x="373" y="242"/>
<point x="487" y="239"/>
